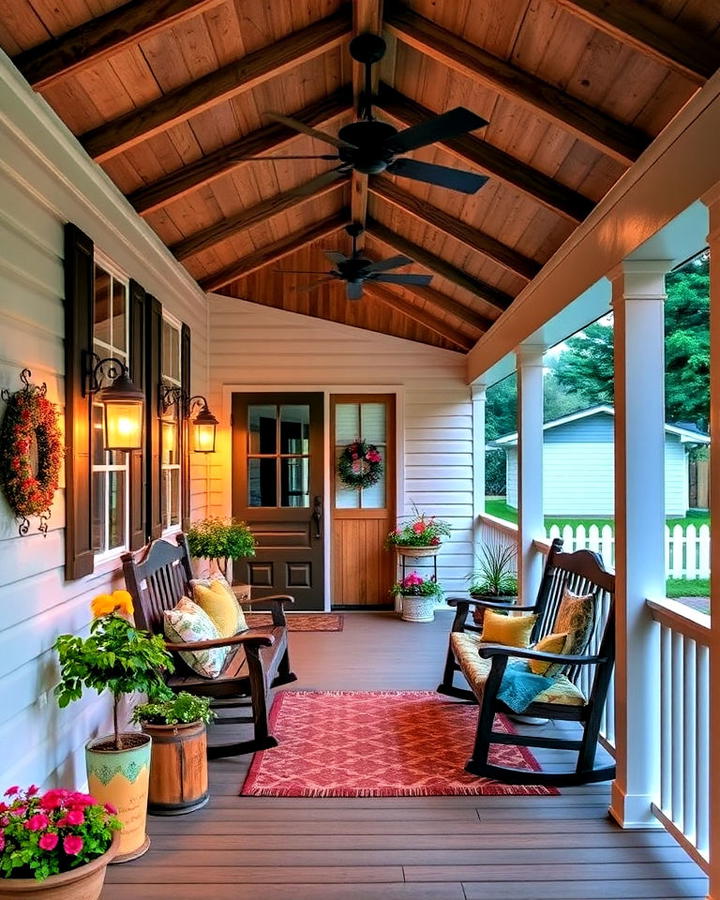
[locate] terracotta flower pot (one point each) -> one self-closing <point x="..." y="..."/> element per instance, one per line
<point x="83" y="883"/>
<point x="178" y="768"/>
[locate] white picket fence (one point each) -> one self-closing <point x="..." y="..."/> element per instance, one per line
<point x="687" y="553"/>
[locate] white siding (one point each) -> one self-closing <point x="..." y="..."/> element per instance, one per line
<point x="677" y="489"/>
<point x="45" y="180"/>
<point x="255" y="346"/>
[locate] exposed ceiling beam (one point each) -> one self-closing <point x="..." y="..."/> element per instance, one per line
<point x="216" y="87"/>
<point x="480" y="289"/>
<point x="410" y="311"/>
<point x="256" y="215"/>
<point x="639" y="26"/>
<point x="273" y="252"/>
<point x="505" y="256"/>
<point x="99" y="38"/>
<point x="447" y="304"/>
<point x="617" y="139"/>
<point x="517" y="174"/>
<point x="265" y="140"/>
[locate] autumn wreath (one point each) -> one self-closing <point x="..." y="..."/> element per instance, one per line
<point x="360" y="465"/>
<point x="30" y="419"/>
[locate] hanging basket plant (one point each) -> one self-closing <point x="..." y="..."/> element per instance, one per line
<point x="30" y="453"/>
<point x="360" y="465"/>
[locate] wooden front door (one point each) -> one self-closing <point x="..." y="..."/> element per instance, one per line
<point x="362" y="570"/>
<point x="278" y="466"/>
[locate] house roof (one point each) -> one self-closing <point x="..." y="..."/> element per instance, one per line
<point x="687" y="433"/>
<point x="171" y="99"/>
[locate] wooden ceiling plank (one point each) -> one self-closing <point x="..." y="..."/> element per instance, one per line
<point x="216" y="87"/>
<point x="621" y="141"/>
<point x="265" y="140"/>
<point x="535" y="184"/>
<point x="447" y="304"/>
<point x="422" y="256"/>
<point x="639" y="26"/>
<point x="416" y="314"/>
<point x="507" y="257"/>
<point x="256" y="215"/>
<point x="273" y="252"/>
<point x="104" y="36"/>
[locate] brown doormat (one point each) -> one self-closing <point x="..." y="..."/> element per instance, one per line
<point x="300" y="621"/>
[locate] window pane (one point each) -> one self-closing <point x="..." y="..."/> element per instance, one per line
<point x="119" y="326"/>
<point x="262" y="429"/>
<point x="294" y="429"/>
<point x="98" y="511"/>
<point x="102" y="305"/>
<point x="347" y="422"/>
<point x="345" y="497"/>
<point x="171" y="351"/>
<point x="294" y="481"/>
<point x="262" y="483"/>
<point x="116" y="510"/>
<point x="373" y="423"/>
<point x="373" y="497"/>
<point x="98" y="435"/>
<point x="174" y="496"/>
<point x="169" y="442"/>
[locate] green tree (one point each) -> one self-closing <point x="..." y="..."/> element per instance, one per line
<point x="585" y="368"/>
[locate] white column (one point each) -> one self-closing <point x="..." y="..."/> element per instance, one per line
<point x="638" y="303"/>
<point x="530" y="467"/>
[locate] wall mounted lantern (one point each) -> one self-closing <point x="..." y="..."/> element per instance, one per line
<point x="123" y="403"/>
<point x="203" y="426"/>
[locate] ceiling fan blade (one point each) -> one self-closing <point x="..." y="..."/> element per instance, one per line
<point x="309" y="287"/>
<point x="450" y="124"/>
<point x="353" y="291"/>
<point x="280" y="158"/>
<point x="442" y="176"/>
<point x="403" y="279"/>
<point x="297" y="125"/>
<point x="393" y="263"/>
<point x="335" y="257"/>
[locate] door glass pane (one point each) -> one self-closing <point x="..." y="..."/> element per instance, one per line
<point x="345" y="497"/>
<point x="262" y="432"/>
<point x="294" y="481"/>
<point x="294" y="429"/>
<point x="101" y="329"/>
<point x="373" y="422"/>
<point x="262" y="482"/>
<point x="118" y="312"/>
<point x="373" y="497"/>
<point x="347" y="422"/>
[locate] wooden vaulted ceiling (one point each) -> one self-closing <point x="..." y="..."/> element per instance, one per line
<point x="166" y="94"/>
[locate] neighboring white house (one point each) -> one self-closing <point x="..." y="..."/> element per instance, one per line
<point x="578" y="464"/>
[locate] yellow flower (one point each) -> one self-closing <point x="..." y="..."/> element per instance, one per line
<point x="123" y="602"/>
<point x="102" y="605"/>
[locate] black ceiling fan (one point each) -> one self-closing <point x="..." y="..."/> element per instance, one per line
<point x="371" y="147"/>
<point x="356" y="269"/>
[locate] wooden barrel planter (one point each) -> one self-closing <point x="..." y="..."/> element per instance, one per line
<point x="178" y="768"/>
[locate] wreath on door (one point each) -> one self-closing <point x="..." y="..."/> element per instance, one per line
<point x="31" y="453"/>
<point x="360" y="465"/>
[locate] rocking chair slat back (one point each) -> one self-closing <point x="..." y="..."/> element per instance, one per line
<point x="158" y="581"/>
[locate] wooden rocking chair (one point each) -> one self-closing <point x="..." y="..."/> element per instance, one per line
<point x="579" y="691"/>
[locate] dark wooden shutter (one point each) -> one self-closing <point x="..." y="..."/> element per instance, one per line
<point x="138" y="523"/>
<point x="185" y="449"/>
<point x="153" y="359"/>
<point x="79" y="316"/>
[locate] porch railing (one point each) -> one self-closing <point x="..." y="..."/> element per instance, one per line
<point x="684" y="806"/>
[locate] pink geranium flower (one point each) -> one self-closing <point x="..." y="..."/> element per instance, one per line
<point x="75" y="817"/>
<point x="32" y="790"/>
<point x="11" y="791"/>
<point x="38" y="822"/>
<point x="48" y="841"/>
<point x="418" y="527"/>
<point x="52" y="799"/>
<point x="72" y="845"/>
<point x="411" y="580"/>
<point x="2" y="841"/>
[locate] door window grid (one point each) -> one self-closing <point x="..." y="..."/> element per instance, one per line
<point x="278" y="456"/>
<point x="171" y="422"/>
<point x="367" y="421"/>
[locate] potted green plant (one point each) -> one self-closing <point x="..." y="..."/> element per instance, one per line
<point x="494" y="577"/>
<point x="55" y="845"/>
<point x="420" y="535"/>
<point x="221" y="541"/>
<point x="419" y="597"/>
<point x="178" y="762"/>
<point x="121" y="659"/>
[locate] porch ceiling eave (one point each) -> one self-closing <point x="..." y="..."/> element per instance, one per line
<point x="678" y="168"/>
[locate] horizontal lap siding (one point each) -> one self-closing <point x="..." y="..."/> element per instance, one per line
<point x="256" y="346"/>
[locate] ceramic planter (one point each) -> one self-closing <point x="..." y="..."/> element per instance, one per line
<point x="178" y="768"/>
<point x="83" y="883"/>
<point x="418" y="609"/>
<point x="121" y="777"/>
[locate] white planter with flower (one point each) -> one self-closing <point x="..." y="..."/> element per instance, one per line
<point x="420" y="536"/>
<point x="419" y="597"/>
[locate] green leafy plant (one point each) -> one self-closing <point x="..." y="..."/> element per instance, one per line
<point x="220" y="540"/>
<point x="180" y="709"/>
<point x="420" y="530"/>
<point x="46" y="834"/>
<point x="116" y="657"/>
<point x="494" y="573"/>
<point x="414" y="585"/>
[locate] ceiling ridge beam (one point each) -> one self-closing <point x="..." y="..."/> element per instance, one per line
<point x="505" y="256"/>
<point x="102" y="37"/>
<point x="447" y="304"/>
<point x="481" y="289"/>
<point x="421" y="316"/>
<point x="264" y="256"/>
<point x="617" y="139"/>
<point x="216" y="87"/>
<point x="552" y="194"/>
<point x="640" y="27"/>
<point x="256" y="215"/>
<point x="265" y="140"/>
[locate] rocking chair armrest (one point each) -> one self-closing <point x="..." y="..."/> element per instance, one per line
<point x="276" y="600"/>
<point x="487" y="651"/>
<point x="488" y="604"/>
<point x="255" y="640"/>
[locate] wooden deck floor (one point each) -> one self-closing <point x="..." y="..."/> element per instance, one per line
<point x="443" y="848"/>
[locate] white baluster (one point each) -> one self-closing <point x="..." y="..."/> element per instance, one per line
<point x="676" y="742"/>
<point x="702" y="745"/>
<point x="689" y="736"/>
<point x="665" y="718"/>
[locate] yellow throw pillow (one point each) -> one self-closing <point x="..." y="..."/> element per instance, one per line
<point x="222" y="608"/>
<point x="551" y="643"/>
<point x="220" y="586"/>
<point x="512" y="631"/>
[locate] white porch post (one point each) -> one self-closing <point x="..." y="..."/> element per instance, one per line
<point x="638" y="303"/>
<point x="530" y="467"/>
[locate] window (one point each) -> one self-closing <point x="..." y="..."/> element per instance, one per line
<point x="279" y="455"/>
<point x="170" y="427"/>
<point x="110" y="469"/>
<point x="365" y="421"/>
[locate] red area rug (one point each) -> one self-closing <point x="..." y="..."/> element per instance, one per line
<point x="300" y="621"/>
<point x="377" y="744"/>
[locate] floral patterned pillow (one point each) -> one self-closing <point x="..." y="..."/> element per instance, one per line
<point x="186" y="623"/>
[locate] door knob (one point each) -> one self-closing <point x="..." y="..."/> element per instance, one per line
<point x="317" y="517"/>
